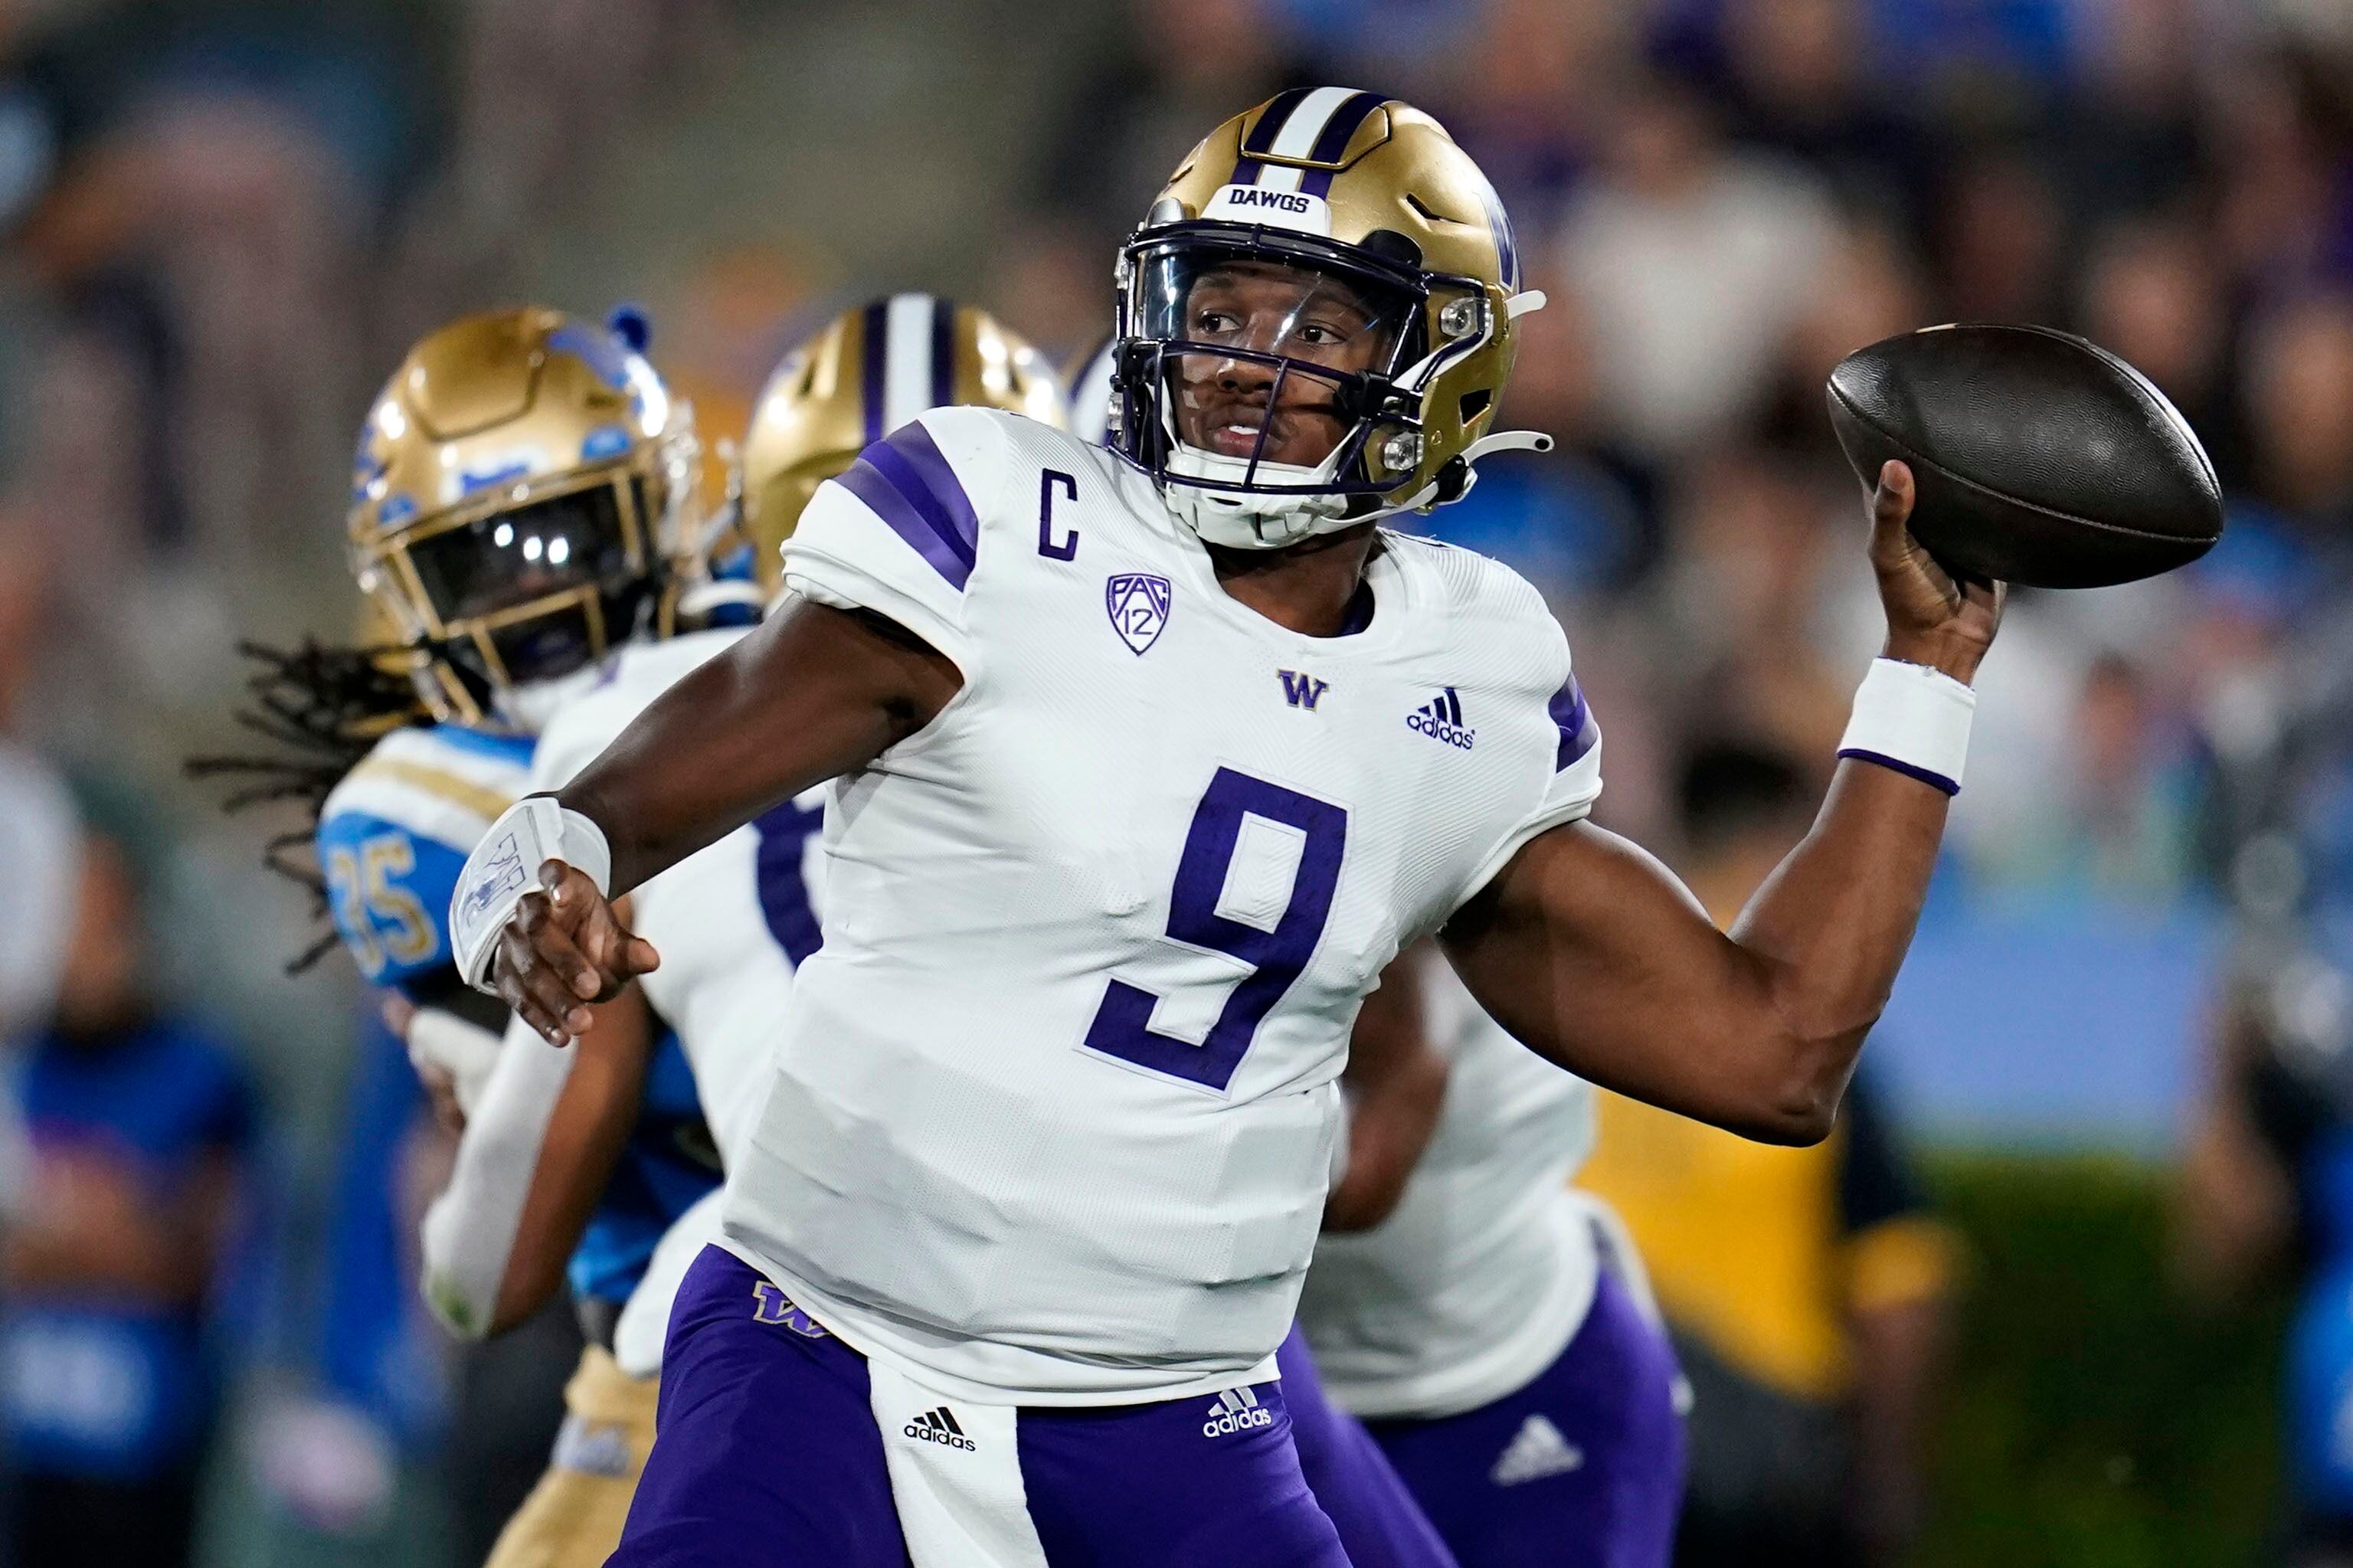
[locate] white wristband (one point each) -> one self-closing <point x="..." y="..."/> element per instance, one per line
<point x="1912" y="719"/>
<point x="505" y="866"/>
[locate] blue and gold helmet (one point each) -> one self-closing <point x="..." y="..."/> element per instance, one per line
<point x="525" y="497"/>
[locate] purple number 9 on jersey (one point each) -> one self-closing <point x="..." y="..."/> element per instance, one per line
<point x="1122" y="1025"/>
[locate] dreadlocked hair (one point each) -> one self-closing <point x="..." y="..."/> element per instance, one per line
<point x="322" y="709"/>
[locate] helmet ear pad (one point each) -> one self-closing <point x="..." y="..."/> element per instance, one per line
<point x="1396" y="248"/>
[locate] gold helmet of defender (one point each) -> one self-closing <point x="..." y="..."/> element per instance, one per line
<point x="525" y="498"/>
<point x="869" y="371"/>
<point x="1404" y="283"/>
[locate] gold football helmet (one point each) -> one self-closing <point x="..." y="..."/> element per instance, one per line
<point x="525" y="498"/>
<point x="1329" y="262"/>
<point x="869" y="371"/>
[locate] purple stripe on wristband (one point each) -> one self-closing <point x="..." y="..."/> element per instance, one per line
<point x="1933" y="780"/>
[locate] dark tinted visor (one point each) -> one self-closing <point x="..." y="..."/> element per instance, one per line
<point x="514" y="558"/>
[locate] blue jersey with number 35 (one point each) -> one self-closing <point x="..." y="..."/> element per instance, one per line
<point x="391" y="839"/>
<point x="1054" y="1111"/>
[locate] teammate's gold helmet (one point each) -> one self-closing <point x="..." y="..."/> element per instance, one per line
<point x="869" y="371"/>
<point x="525" y="498"/>
<point x="1365" y="208"/>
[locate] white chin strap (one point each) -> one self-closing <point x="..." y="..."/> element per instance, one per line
<point x="1242" y="520"/>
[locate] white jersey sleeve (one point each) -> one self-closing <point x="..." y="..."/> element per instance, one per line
<point x="899" y="532"/>
<point x="1566" y="789"/>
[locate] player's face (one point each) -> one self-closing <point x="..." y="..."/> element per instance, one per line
<point x="1311" y="317"/>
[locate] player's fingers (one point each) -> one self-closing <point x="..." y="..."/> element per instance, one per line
<point x="543" y="1001"/>
<point x="512" y="992"/>
<point x="1890" y="509"/>
<point x="1891" y="503"/>
<point x="618" y="955"/>
<point x="549" y="925"/>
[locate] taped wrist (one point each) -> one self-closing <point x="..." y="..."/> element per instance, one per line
<point x="1912" y="719"/>
<point x="505" y="866"/>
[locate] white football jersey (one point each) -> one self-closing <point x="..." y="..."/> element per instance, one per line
<point x="1484" y="1272"/>
<point x="1054" y="1113"/>
<point x="731" y="920"/>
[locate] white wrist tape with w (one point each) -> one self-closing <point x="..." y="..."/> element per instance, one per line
<point x="505" y="866"/>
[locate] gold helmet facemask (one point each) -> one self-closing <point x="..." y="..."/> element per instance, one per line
<point x="524" y="497"/>
<point x="870" y="370"/>
<point x="1329" y="259"/>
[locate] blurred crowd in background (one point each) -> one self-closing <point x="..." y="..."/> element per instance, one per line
<point x="222" y="220"/>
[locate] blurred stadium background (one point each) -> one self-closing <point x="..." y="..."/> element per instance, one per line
<point x="224" y="220"/>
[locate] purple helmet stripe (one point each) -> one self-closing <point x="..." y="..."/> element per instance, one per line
<point x="1333" y="140"/>
<point x="876" y="353"/>
<point x="1507" y="249"/>
<point x="1246" y="172"/>
<point x="1578" y="732"/>
<point x="906" y="482"/>
<point x="1260" y="140"/>
<point x="944" y="316"/>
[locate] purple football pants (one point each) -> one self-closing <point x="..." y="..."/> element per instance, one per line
<point x="767" y="1453"/>
<point x="1380" y="1522"/>
<point x="1582" y="1468"/>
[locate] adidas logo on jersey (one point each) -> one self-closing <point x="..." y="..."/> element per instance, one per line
<point x="1440" y="718"/>
<point x="1537" y="1451"/>
<point x="939" y="1426"/>
<point x="1237" y="1410"/>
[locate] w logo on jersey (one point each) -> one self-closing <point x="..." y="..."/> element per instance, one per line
<point x="1301" y="691"/>
<point x="1138" y="606"/>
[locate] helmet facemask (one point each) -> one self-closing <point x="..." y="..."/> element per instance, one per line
<point x="1272" y="382"/>
<point x="518" y="603"/>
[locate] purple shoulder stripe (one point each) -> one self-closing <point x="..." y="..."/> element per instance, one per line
<point x="905" y="481"/>
<point x="1578" y="732"/>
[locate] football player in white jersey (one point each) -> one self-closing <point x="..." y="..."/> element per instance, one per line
<point x="1147" y="762"/>
<point x="1493" y="1327"/>
<point x="733" y="920"/>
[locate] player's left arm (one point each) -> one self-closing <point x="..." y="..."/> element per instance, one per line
<point x="535" y="1158"/>
<point x="1395" y="1086"/>
<point x="1594" y="955"/>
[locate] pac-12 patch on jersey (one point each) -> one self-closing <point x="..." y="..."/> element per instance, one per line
<point x="1138" y="604"/>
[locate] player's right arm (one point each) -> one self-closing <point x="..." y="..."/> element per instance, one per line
<point x="1594" y="955"/>
<point x="867" y="651"/>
